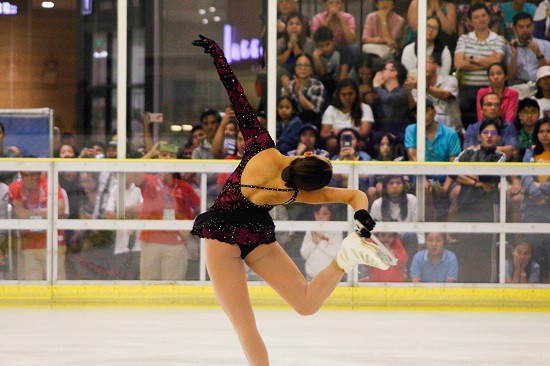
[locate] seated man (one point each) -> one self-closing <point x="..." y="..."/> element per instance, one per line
<point x="490" y="109"/>
<point x="524" y="55"/>
<point x="442" y="144"/>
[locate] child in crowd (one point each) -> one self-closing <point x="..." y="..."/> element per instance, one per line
<point x="520" y="268"/>
<point x="330" y="63"/>
<point x="319" y="248"/>
<point x="288" y="124"/>
<point x="394" y="273"/>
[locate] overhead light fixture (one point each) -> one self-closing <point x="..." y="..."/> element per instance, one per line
<point x="175" y="128"/>
<point x="47" y="4"/>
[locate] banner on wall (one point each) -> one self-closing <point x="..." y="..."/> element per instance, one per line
<point x="31" y="130"/>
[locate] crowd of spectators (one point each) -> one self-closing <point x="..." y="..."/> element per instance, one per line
<point x="353" y="98"/>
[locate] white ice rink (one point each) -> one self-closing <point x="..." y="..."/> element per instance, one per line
<point x="188" y="337"/>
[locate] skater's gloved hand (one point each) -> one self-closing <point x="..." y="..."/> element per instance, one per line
<point x="364" y="218"/>
<point x="205" y="43"/>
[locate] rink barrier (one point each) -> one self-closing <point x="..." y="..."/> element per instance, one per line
<point x="343" y="298"/>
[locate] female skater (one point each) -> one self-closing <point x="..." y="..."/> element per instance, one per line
<point x="238" y="226"/>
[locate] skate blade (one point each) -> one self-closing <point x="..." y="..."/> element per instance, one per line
<point x="385" y="255"/>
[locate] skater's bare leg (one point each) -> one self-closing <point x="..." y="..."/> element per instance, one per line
<point x="226" y="270"/>
<point x="275" y="267"/>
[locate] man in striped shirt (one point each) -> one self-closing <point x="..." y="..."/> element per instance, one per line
<point x="475" y="51"/>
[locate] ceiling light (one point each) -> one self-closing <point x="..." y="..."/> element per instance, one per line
<point x="47" y="4"/>
<point x="175" y="128"/>
<point x="205" y="21"/>
<point x="216" y="18"/>
<point x="202" y="11"/>
<point x="212" y="9"/>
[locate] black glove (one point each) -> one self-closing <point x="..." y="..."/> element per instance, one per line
<point x="205" y="43"/>
<point x="364" y="222"/>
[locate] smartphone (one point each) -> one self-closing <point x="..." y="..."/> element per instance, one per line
<point x="156" y="117"/>
<point x="346" y="140"/>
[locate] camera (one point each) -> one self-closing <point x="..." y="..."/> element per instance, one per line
<point x="346" y="140"/>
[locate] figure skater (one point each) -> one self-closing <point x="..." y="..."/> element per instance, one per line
<point x="238" y="227"/>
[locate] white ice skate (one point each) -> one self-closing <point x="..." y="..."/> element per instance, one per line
<point x="357" y="250"/>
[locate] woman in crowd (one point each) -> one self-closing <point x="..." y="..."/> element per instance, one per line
<point x="444" y="11"/>
<point x="292" y="44"/>
<point x="383" y="31"/>
<point x="307" y="92"/>
<point x="347" y="111"/>
<point x="434" y="47"/>
<point x="498" y="74"/>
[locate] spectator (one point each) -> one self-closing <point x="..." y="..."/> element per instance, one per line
<point x="210" y="121"/>
<point x="434" y="47"/>
<point x="307" y="92"/>
<point x="498" y="75"/>
<point x="307" y="142"/>
<point x="396" y="204"/>
<point x="341" y="23"/>
<point x="348" y="146"/>
<point x="4" y="241"/>
<point x="542" y="96"/>
<point x="509" y="10"/>
<point x="490" y="109"/>
<point x="292" y="44"/>
<point x="363" y="73"/>
<point x="524" y="55"/>
<point x="542" y="20"/>
<point x="91" y="251"/>
<point x="225" y="140"/>
<point x="442" y="91"/>
<point x="444" y="11"/>
<point x="93" y="150"/>
<point x="390" y="114"/>
<point x="435" y="263"/>
<point x="346" y="111"/>
<point x="331" y="63"/>
<point x="520" y="267"/>
<point x="288" y="125"/>
<point x="394" y="273"/>
<point x="348" y="150"/>
<point x="383" y="31"/>
<point x="197" y="135"/>
<point x="186" y="152"/>
<point x="29" y="199"/>
<point x="536" y="196"/>
<point x="285" y="8"/>
<point x="475" y="52"/>
<point x="7" y="177"/>
<point x="478" y="202"/>
<point x="442" y="145"/>
<point x="127" y="249"/>
<point x="111" y="152"/>
<point x="163" y="252"/>
<point x="495" y="16"/>
<point x="386" y="150"/>
<point x="319" y="248"/>
<point x="528" y="114"/>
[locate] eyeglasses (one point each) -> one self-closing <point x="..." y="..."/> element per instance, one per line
<point x="491" y="104"/>
<point x="432" y="27"/>
<point x="492" y="132"/>
<point x="302" y="65"/>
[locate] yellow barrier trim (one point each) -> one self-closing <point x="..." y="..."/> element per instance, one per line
<point x="343" y="298"/>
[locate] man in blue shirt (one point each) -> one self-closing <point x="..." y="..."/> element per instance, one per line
<point x="442" y="145"/>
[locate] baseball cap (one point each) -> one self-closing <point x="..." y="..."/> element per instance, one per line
<point x="309" y="126"/>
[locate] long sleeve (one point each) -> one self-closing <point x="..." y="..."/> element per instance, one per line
<point x="248" y="123"/>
